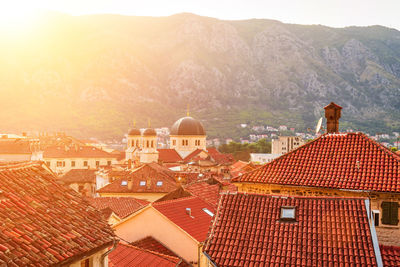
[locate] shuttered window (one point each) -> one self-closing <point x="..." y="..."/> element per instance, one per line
<point x="390" y="213"/>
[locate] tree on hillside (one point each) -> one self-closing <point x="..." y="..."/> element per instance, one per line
<point x="242" y="151"/>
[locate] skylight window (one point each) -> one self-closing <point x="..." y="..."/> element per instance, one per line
<point x="288" y="213"/>
<point x="124" y="183"/>
<point x="208" y="212"/>
<point x="142" y="183"/>
<point x="159" y="183"/>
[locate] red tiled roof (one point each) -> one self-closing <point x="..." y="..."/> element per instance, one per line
<point x="43" y="223"/>
<point x="341" y="161"/>
<point x="76" y="152"/>
<point x="196" y="225"/>
<point x="390" y="256"/>
<point x="219" y="157"/>
<point x="247" y="231"/>
<point x="79" y="176"/>
<point x="168" y="155"/>
<point x="130" y="256"/>
<point x="121" y="206"/>
<point x="151" y="173"/>
<point x="241" y="167"/>
<point x="207" y="192"/>
<point x="193" y="155"/>
<point x="16" y="146"/>
<point x="150" y="243"/>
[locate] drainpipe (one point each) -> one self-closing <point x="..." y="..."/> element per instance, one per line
<point x="115" y="243"/>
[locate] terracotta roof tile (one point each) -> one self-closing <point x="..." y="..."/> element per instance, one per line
<point x="168" y="155"/>
<point x="197" y="224"/>
<point x="76" y="152"/>
<point x="130" y="256"/>
<point x="158" y="179"/>
<point x="220" y="158"/>
<point x="79" y="176"/>
<point x="43" y="223"/>
<point x="16" y="146"/>
<point x="341" y="161"/>
<point x="390" y="256"/>
<point x="121" y="206"/>
<point x="248" y="231"/>
<point x="207" y="192"/>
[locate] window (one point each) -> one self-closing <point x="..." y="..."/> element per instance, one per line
<point x="142" y="183"/>
<point x="85" y="163"/>
<point x="147" y="143"/>
<point x="137" y="143"/>
<point x="152" y="143"/>
<point x="80" y="188"/>
<point x="73" y="163"/>
<point x="187" y="142"/>
<point x="60" y="163"/>
<point x="109" y="163"/>
<point x="85" y="263"/>
<point x="124" y="183"/>
<point x="390" y="213"/>
<point x="97" y="163"/>
<point x="183" y="142"/>
<point x="208" y="212"/>
<point x="288" y="213"/>
<point x="174" y="142"/>
<point x="375" y="214"/>
<point x="159" y="183"/>
<point x="48" y="163"/>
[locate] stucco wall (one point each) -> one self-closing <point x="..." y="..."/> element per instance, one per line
<point x="79" y="163"/>
<point x="95" y="260"/>
<point x="151" y="197"/>
<point x="150" y="222"/>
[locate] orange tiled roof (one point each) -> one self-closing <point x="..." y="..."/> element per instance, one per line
<point x="79" y="176"/>
<point x="150" y="243"/>
<point x="341" y="161"/>
<point x="43" y="223"/>
<point x="151" y="173"/>
<point x="168" y="155"/>
<point x="390" y="256"/>
<point x="17" y="146"/>
<point x="219" y="157"/>
<point x="121" y="206"/>
<point x="130" y="256"/>
<point x="76" y="152"/>
<point x="196" y="225"/>
<point x="247" y="231"/>
<point x="207" y="192"/>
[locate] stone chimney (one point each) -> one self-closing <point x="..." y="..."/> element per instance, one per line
<point x="332" y="115"/>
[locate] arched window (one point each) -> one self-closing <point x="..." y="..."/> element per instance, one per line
<point x="174" y="142"/>
<point x="147" y="143"/>
<point x="187" y="142"/>
<point x="183" y="142"/>
<point x="137" y="143"/>
<point x="152" y="143"/>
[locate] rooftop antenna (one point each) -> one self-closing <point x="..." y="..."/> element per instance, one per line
<point x="319" y="124"/>
<point x="187" y="111"/>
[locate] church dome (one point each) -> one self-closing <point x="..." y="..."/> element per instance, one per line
<point x="187" y="126"/>
<point x="134" y="131"/>
<point x="149" y="132"/>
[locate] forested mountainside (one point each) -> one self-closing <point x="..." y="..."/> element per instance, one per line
<point x="93" y="75"/>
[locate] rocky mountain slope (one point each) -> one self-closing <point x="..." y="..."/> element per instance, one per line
<point x="93" y="75"/>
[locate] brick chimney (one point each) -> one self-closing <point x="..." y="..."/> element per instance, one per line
<point x="332" y="115"/>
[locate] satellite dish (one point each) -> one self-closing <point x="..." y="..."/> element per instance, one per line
<point x="319" y="124"/>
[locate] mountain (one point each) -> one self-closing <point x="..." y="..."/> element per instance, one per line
<point x="93" y="75"/>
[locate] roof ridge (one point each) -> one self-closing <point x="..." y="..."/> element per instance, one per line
<point x="382" y="147"/>
<point x="168" y="201"/>
<point x="291" y="196"/>
<point x="13" y="165"/>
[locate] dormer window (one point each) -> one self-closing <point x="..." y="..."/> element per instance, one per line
<point x="159" y="183"/>
<point x="124" y="183"/>
<point x="142" y="183"/>
<point x="288" y="213"/>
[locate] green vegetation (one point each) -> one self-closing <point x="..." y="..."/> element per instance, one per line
<point x="242" y="151"/>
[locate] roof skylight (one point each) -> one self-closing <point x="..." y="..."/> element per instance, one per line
<point x="142" y="183"/>
<point x="124" y="183"/>
<point x="288" y="213"/>
<point x="208" y="212"/>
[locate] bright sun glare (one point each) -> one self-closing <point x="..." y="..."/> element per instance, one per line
<point x="16" y="17"/>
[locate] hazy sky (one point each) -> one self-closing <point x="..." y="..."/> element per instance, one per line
<point x="336" y="13"/>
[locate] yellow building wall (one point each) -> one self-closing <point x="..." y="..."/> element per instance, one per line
<point x="149" y="222"/>
<point x="387" y="234"/>
<point x="15" y="157"/>
<point x="191" y="142"/>
<point x="151" y="197"/>
<point x="79" y="163"/>
<point x="95" y="260"/>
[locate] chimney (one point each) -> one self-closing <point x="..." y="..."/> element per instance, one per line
<point x="189" y="211"/>
<point x="332" y="115"/>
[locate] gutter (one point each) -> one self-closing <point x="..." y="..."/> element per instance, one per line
<point x="209" y="258"/>
<point x="179" y="263"/>
<point x="374" y="237"/>
<point x="115" y="243"/>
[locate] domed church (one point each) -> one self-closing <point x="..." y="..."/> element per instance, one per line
<point x="187" y="134"/>
<point x="142" y="146"/>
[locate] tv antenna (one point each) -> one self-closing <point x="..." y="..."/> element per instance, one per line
<point x="319" y="124"/>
